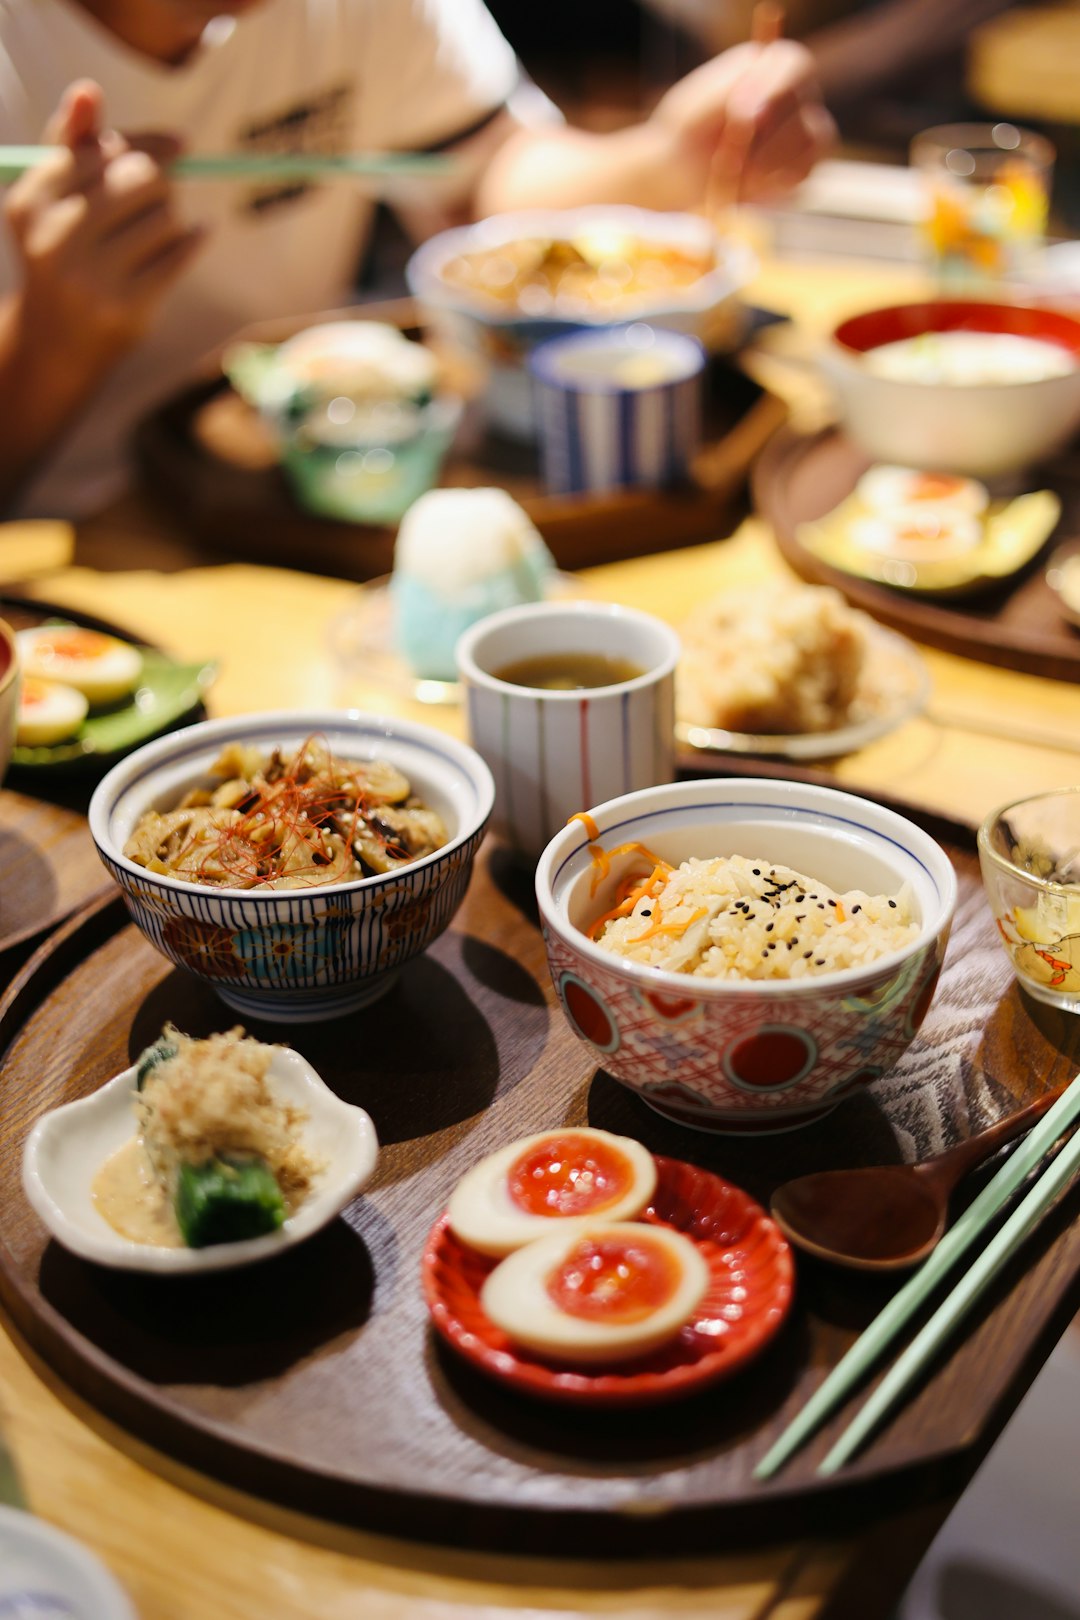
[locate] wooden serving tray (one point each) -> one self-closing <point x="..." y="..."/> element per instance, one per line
<point x="211" y="458"/>
<point x="1019" y="626"/>
<point x="48" y="868"/>
<point x="315" y="1378"/>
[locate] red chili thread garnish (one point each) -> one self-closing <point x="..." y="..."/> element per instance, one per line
<point x="305" y="802"/>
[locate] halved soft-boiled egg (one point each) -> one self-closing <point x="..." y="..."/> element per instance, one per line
<point x="102" y="668"/>
<point x="577" y="1173"/>
<point x="48" y="712"/>
<point x="603" y="1292"/>
<point x="885" y="488"/>
<point x="918" y="534"/>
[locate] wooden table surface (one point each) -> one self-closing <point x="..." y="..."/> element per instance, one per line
<point x="182" y="1544"/>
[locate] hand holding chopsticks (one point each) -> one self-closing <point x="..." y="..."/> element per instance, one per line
<point x="885" y="1328"/>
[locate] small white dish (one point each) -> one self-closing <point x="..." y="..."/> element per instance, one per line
<point x="44" y="1573"/>
<point x="67" y="1147"/>
<point x="893" y="689"/>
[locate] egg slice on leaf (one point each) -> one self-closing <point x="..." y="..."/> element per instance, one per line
<point x="577" y="1173"/>
<point x="885" y="488"/>
<point x="102" y="668"/>
<point x="603" y="1292"/>
<point x="48" y="712"/>
<point x="918" y="534"/>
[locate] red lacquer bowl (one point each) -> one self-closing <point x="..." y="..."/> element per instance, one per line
<point x="749" y="1295"/>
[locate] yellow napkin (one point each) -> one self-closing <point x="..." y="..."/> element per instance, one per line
<point x="34" y="546"/>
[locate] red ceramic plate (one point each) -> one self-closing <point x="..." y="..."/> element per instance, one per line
<point x="748" y="1298"/>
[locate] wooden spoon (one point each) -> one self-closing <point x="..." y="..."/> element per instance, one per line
<point x="888" y="1216"/>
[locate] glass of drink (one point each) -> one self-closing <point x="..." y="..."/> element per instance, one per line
<point x="987" y="193"/>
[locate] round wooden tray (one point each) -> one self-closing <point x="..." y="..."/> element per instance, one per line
<point x="211" y="458"/>
<point x="316" y="1379"/>
<point x="1020" y="626"/>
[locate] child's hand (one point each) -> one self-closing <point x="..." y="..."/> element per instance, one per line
<point x="750" y="122"/>
<point x="98" y="235"/>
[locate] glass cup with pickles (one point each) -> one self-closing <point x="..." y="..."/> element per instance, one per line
<point x="987" y="197"/>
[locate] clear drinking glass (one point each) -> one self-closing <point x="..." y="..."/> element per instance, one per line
<point x="987" y="192"/>
<point x="1030" y="856"/>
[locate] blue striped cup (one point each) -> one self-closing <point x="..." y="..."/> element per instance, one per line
<point x="617" y="407"/>
<point x="553" y="753"/>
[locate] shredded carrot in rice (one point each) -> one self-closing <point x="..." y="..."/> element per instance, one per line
<point x="633" y="887"/>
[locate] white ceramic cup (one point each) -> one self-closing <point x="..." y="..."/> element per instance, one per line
<point x="556" y="752"/>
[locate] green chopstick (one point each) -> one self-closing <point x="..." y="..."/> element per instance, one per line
<point x="1021" y="1223"/>
<point x="15" y="160"/>
<point x="887" y="1324"/>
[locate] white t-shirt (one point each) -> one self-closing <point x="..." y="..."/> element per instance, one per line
<point x="327" y="75"/>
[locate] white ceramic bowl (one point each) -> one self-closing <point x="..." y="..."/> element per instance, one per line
<point x="982" y="430"/>
<point x="503" y="338"/>
<point x="747" y="1056"/>
<point x="68" y="1145"/>
<point x="297" y="954"/>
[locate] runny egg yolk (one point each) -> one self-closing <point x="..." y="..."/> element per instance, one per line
<point x="569" y="1175"/>
<point x="547" y="1181"/>
<point x="614" y="1279"/>
<point x="73" y="643"/>
<point x="935" y="486"/>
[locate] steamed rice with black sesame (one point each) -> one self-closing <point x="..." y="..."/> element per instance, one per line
<point x="734" y="918"/>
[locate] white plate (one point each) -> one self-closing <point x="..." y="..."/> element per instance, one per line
<point x="68" y="1146"/>
<point x="48" y="1575"/>
<point x="894" y="687"/>
<point x="362" y="641"/>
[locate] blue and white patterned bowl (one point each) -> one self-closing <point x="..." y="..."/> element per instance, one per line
<point x="297" y="954"/>
<point x="746" y="1055"/>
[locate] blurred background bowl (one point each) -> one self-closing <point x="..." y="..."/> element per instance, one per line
<point x="981" y="429"/>
<point x="746" y="1056"/>
<point x="502" y="335"/>
<point x="1030" y="857"/>
<point x="297" y="954"/>
<point x="350" y="449"/>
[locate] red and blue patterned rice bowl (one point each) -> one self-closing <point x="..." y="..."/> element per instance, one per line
<point x="746" y="1056"/>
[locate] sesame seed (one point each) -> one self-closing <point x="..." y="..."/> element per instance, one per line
<point x="855" y="909"/>
<point x="807" y="955"/>
<point x="821" y="905"/>
<point x="756" y="871"/>
<point x="819" y="961"/>
<point x="646" y="912"/>
<point x="768" y="928"/>
<point x="893" y="904"/>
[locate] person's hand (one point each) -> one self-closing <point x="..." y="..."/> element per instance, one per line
<point x="98" y="236"/>
<point x="750" y="124"/>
